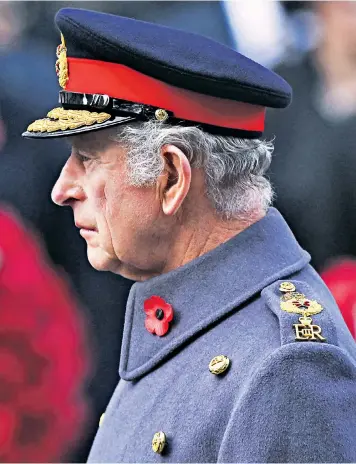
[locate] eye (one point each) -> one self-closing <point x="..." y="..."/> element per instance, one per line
<point x="81" y="157"/>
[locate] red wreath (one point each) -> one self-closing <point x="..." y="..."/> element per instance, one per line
<point x="340" y="277"/>
<point x="42" y="355"/>
<point x="159" y="315"/>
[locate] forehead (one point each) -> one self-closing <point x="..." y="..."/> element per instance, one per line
<point x="92" y="142"/>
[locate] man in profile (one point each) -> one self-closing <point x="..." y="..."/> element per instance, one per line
<point x="233" y="348"/>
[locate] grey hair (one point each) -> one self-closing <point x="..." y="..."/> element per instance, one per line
<point x="234" y="168"/>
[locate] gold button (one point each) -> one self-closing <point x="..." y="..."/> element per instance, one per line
<point x="219" y="364"/>
<point x="287" y="287"/>
<point x="101" y="420"/>
<point x="158" y="442"/>
<point x="161" y="115"/>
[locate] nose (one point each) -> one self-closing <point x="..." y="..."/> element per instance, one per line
<point x="67" y="188"/>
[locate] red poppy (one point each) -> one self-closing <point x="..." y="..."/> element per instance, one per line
<point x="159" y="315"/>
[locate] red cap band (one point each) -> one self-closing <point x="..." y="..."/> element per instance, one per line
<point x="119" y="81"/>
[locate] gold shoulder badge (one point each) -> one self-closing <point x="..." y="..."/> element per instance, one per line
<point x="62" y="64"/>
<point x="293" y="302"/>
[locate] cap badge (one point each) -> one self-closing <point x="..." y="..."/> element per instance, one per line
<point x="62" y="64"/>
<point x="158" y="315"/>
<point x="294" y="302"/>
<point x="61" y="119"/>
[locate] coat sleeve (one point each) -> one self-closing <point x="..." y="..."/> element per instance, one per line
<point x="298" y="406"/>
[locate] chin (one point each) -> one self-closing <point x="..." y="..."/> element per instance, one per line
<point x="99" y="260"/>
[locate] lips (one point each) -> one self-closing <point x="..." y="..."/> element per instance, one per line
<point x="84" y="227"/>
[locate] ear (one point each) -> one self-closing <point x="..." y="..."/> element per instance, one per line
<point x="175" y="181"/>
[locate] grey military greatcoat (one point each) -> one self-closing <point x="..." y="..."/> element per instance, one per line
<point x="288" y="393"/>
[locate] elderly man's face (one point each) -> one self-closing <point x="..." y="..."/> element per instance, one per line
<point x="120" y="223"/>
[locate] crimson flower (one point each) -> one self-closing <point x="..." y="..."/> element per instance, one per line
<point x="159" y="315"/>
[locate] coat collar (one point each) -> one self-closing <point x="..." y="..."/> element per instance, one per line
<point x="207" y="289"/>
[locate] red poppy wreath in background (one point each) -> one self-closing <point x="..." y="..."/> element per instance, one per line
<point x="158" y="315"/>
<point x="340" y="277"/>
<point x="42" y="367"/>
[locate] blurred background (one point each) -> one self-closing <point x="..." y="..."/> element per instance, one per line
<point x="311" y="44"/>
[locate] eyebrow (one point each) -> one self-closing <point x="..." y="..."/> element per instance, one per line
<point x="76" y="144"/>
<point x="90" y="149"/>
<point x="77" y="151"/>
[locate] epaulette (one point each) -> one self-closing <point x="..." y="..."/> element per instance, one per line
<point x="303" y="314"/>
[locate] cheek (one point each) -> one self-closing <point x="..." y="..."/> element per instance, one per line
<point x="102" y="208"/>
<point x="131" y="214"/>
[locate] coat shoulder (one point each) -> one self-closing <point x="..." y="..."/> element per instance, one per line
<point x="299" y="381"/>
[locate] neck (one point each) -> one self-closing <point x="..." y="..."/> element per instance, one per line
<point x="189" y="240"/>
<point x="195" y="238"/>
